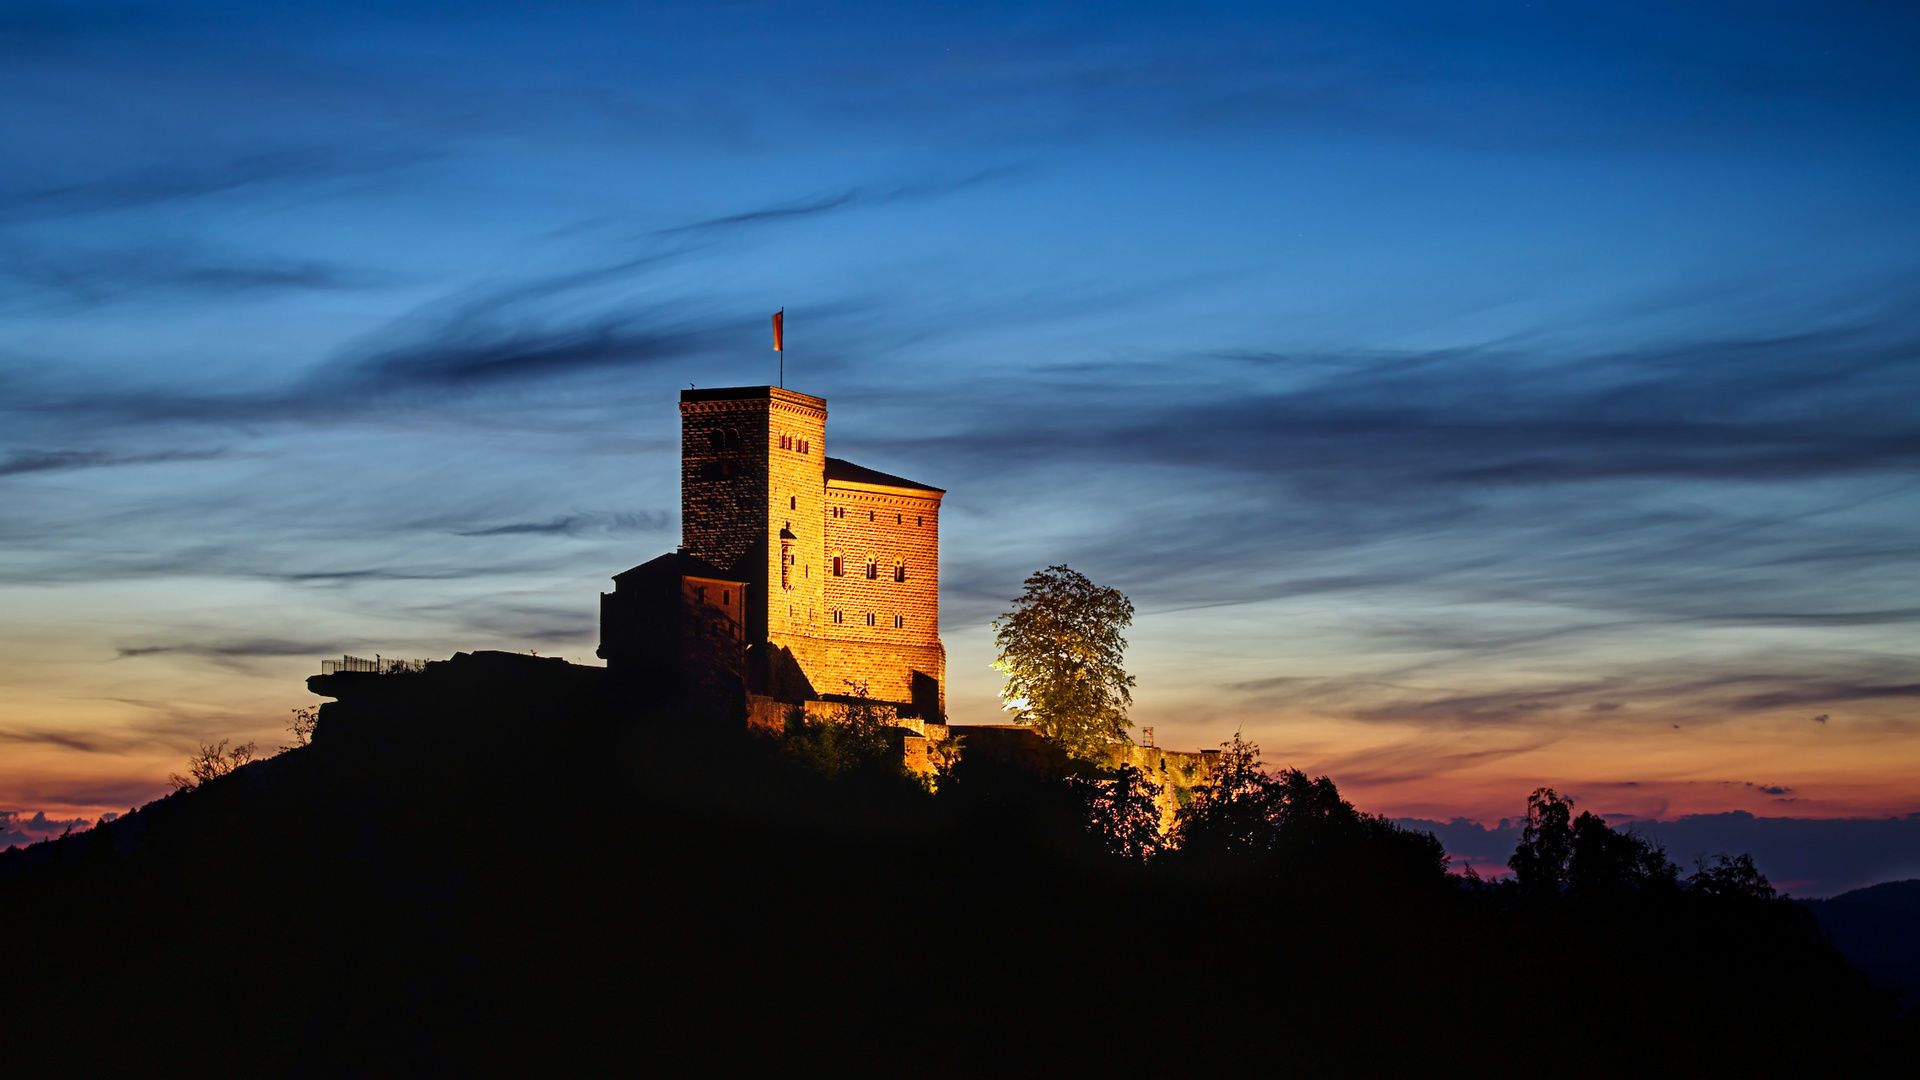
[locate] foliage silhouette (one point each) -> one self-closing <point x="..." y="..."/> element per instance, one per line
<point x="301" y="726"/>
<point x="212" y="760"/>
<point x="1246" y="820"/>
<point x="1121" y="811"/>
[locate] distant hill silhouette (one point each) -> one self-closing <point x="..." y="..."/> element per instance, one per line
<point x="507" y="866"/>
<point x="1878" y="928"/>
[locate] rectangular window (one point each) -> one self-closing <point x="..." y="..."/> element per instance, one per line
<point x="869" y="618"/>
<point x="839" y="569"/>
<point x="899" y="622"/>
<point x="836" y="615"/>
<point x="920" y="520"/>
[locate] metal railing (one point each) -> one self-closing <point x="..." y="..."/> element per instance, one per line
<point x="379" y="665"/>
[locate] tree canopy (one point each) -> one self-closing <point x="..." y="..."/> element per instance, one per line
<point x="1060" y="649"/>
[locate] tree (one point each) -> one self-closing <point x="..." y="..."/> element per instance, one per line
<point x="1060" y="649"/>
<point x="1231" y="815"/>
<point x="302" y="725"/>
<point x="1582" y="857"/>
<point x="210" y="762"/>
<point x="1123" y="813"/>
<point x="858" y="739"/>
<point x="1730" y="877"/>
<point x="1539" y="864"/>
<point x="1245" y="818"/>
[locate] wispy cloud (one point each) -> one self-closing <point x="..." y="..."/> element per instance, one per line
<point x="603" y="523"/>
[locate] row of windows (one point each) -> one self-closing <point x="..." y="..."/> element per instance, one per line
<point x="898" y="519"/>
<point x="727" y="440"/>
<point x="873" y="568"/>
<point x="899" y="621"/>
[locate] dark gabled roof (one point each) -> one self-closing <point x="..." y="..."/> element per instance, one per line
<point x="677" y="564"/>
<point x="842" y="469"/>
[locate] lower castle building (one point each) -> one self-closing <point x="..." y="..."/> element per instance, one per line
<point x="821" y="576"/>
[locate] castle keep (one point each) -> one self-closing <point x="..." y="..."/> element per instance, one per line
<point x="826" y="573"/>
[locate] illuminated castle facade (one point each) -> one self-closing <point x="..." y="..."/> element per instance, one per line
<point x="836" y="567"/>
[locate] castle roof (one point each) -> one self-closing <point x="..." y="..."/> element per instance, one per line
<point x="847" y="472"/>
<point x="676" y="564"/>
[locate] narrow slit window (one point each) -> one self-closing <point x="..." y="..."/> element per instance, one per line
<point x="869" y="618"/>
<point x="899" y="622"/>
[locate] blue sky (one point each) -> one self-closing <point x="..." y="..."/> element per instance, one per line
<point x="1469" y="398"/>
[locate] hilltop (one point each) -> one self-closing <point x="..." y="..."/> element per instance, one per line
<point x="526" y="871"/>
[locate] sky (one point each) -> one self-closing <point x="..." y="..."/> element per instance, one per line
<point x="1469" y="397"/>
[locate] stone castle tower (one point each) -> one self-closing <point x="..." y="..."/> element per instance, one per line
<point x="840" y="564"/>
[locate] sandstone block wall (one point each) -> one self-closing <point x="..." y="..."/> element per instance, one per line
<point x="1177" y="772"/>
<point x="752" y="479"/>
<point x="755" y="499"/>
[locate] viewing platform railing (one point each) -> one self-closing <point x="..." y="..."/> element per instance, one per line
<point x="379" y="665"/>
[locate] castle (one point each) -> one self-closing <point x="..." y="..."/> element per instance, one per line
<point x="804" y="576"/>
<point x="802" y="581"/>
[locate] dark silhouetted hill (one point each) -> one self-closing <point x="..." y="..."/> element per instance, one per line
<point x="508" y="866"/>
<point x="1878" y="928"/>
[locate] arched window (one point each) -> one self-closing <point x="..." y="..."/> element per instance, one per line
<point x="899" y="570"/>
<point x="873" y="570"/>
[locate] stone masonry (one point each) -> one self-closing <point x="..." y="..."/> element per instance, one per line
<point x="842" y="562"/>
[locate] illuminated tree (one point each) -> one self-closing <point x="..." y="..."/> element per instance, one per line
<point x="1060" y="649"/>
